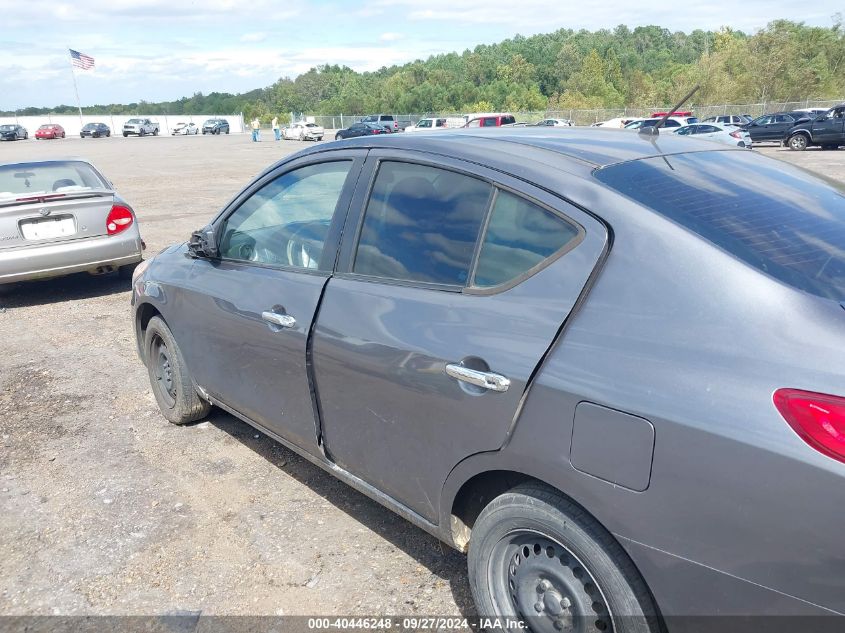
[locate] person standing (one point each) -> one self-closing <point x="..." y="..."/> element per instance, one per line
<point x="256" y="127"/>
<point x="276" y="128"/>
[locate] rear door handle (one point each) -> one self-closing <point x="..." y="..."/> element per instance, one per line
<point x="282" y="320"/>
<point x="485" y="379"/>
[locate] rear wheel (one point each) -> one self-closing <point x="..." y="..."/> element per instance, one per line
<point x="798" y="143"/>
<point x="338" y="137"/>
<point x="536" y="556"/>
<point x="169" y="377"/>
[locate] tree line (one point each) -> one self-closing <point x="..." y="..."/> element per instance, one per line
<point x="641" y="67"/>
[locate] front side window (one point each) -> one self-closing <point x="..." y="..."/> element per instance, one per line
<point x="474" y="123"/>
<point x="285" y="223"/>
<point x="421" y="224"/>
<point x="424" y="123"/>
<point x="520" y="236"/>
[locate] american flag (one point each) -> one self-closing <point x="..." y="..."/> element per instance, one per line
<point x="81" y="60"/>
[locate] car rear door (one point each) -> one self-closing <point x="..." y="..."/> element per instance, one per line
<point x="250" y="310"/>
<point x="427" y="336"/>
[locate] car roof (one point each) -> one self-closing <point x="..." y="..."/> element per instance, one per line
<point x="588" y="148"/>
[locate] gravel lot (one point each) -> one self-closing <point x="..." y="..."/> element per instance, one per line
<point x="106" y="508"/>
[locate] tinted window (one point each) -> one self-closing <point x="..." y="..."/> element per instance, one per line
<point x="286" y="221"/>
<point x="507" y="120"/>
<point x="774" y="217"/>
<point x="387" y="117"/>
<point x="488" y="122"/>
<point x="519" y="236"/>
<point x="421" y="224"/>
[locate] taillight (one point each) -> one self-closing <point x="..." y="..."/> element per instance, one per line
<point x="119" y="219"/>
<point x="736" y="134"/>
<point x="818" y="418"/>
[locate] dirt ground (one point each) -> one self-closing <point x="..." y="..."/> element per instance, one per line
<point x="106" y="508"/>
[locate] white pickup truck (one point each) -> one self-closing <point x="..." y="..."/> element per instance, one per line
<point x="140" y="127"/>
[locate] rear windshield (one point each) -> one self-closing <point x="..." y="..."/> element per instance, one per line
<point x="777" y="218"/>
<point x="32" y="179"/>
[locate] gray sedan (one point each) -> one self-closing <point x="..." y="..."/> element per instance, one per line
<point x="607" y="366"/>
<point x="61" y="217"/>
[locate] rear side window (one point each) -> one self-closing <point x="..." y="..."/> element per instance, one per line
<point x="421" y="224"/>
<point x="520" y="235"/>
<point x="387" y="117"/>
<point x="783" y="222"/>
<point x="488" y="122"/>
<point x="508" y="120"/>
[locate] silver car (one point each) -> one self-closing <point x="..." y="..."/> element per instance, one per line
<point x="60" y="217"/>
<point x="719" y="132"/>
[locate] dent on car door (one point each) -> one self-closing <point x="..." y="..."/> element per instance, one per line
<point x="454" y="286"/>
<point x="251" y="309"/>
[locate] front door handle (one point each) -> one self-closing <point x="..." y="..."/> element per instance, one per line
<point x="484" y="379"/>
<point x="282" y="320"/>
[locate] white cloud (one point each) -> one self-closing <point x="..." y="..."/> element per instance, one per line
<point x="253" y="37"/>
<point x="390" y="37"/>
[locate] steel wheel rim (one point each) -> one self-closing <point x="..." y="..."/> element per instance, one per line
<point x="540" y="581"/>
<point x="162" y="366"/>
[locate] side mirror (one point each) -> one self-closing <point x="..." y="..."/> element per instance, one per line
<point x="203" y="244"/>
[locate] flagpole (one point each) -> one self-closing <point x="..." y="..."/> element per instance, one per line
<point x="75" y="89"/>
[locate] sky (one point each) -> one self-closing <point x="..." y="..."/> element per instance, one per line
<point x="156" y="50"/>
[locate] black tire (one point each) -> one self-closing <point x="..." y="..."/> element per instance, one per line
<point x="170" y="380"/>
<point x="142" y="132"/>
<point x="536" y="556"/>
<point x="108" y="134"/>
<point x="155" y="132"/>
<point x="798" y="142"/>
<point x="319" y="138"/>
<point x="125" y="134"/>
<point x="338" y="137"/>
<point x="227" y="130"/>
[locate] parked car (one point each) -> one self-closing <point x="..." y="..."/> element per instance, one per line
<point x="385" y="120"/>
<point x="616" y="122"/>
<point x="360" y="129"/>
<point x="59" y="217"/>
<point x="719" y="132"/>
<point x="49" y="130"/>
<point x="185" y="129"/>
<point x="140" y="127"/>
<point x="728" y="119"/>
<point x="13" y="132"/>
<point x="95" y="130"/>
<point x="436" y="123"/>
<point x="671" y="122"/>
<point x="625" y="401"/>
<point x="812" y="112"/>
<point x="826" y="131"/>
<point x="303" y="132"/>
<point x="773" y="127"/>
<point x="490" y="120"/>
<point x="554" y="123"/>
<point x="215" y="126"/>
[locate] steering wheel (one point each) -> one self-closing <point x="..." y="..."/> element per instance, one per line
<point x="301" y="252"/>
<point x="253" y="253"/>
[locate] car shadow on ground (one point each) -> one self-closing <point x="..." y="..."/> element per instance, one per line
<point x="59" y="289"/>
<point x="438" y="558"/>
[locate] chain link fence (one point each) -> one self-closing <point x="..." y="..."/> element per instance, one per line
<point x="588" y="117"/>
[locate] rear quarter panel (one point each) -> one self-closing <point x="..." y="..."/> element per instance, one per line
<point x="685" y="336"/>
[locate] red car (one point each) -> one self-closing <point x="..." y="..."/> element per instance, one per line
<point x="50" y="130"/>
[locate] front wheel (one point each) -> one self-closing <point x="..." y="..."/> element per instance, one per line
<point x="170" y="379"/>
<point x="155" y="132"/>
<point x="537" y="557"/>
<point x="319" y="138"/>
<point x="338" y="137"/>
<point x="798" y="143"/>
<point x="125" y="134"/>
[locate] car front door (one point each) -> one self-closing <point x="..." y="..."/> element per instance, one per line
<point x="452" y="284"/>
<point x="830" y="131"/>
<point x="251" y="308"/>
